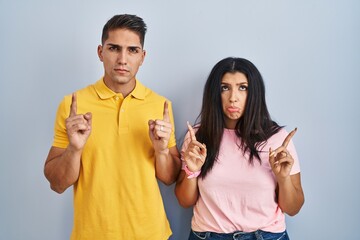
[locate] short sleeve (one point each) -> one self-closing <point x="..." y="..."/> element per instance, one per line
<point x="60" y="135"/>
<point x="296" y="167"/>
<point x="172" y="140"/>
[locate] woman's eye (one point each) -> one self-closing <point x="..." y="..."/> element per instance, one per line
<point x="224" y="88"/>
<point x="243" y="88"/>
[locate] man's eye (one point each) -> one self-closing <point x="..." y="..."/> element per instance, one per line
<point x="133" y="50"/>
<point x="113" y="48"/>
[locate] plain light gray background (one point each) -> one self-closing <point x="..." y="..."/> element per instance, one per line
<point x="308" y="52"/>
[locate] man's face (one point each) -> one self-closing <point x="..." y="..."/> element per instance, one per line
<point x="122" y="55"/>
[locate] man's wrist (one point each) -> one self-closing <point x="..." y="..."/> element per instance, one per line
<point x="163" y="152"/>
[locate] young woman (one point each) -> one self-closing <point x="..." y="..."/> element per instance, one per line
<point x="240" y="168"/>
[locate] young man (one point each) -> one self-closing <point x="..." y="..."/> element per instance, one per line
<point x="113" y="139"/>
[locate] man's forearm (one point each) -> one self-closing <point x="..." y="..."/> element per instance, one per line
<point x="62" y="168"/>
<point x="167" y="166"/>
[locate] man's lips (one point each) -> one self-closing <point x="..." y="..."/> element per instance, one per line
<point x="121" y="70"/>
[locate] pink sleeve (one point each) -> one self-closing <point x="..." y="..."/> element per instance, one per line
<point x="296" y="167"/>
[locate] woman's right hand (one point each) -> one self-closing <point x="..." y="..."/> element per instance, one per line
<point x="195" y="154"/>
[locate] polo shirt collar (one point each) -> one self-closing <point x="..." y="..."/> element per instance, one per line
<point x="104" y="92"/>
<point x="139" y="91"/>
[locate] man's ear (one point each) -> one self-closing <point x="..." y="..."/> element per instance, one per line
<point x="143" y="57"/>
<point x="99" y="51"/>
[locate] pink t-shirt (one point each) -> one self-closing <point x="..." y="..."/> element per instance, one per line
<point x="238" y="196"/>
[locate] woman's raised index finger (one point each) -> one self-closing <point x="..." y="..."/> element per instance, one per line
<point x="73" y="106"/>
<point x="288" y="137"/>
<point x="191" y="131"/>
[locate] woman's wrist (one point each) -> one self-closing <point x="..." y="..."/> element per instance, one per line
<point x="190" y="174"/>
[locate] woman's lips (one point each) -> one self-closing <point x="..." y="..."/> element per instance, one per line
<point x="233" y="109"/>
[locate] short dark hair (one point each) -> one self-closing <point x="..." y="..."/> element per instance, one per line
<point x="253" y="129"/>
<point x="125" y="21"/>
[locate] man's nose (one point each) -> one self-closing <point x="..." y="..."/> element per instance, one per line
<point x="122" y="58"/>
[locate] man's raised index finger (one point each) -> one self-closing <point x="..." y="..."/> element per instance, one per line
<point x="166" y="117"/>
<point x="73" y="106"/>
<point x="288" y="138"/>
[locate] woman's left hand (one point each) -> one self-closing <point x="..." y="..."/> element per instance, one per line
<point x="280" y="159"/>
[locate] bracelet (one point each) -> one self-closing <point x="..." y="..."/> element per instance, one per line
<point x="191" y="174"/>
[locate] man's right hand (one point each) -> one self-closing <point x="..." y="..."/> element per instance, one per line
<point x="78" y="126"/>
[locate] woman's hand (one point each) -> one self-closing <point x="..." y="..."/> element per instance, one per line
<point x="280" y="159"/>
<point x="195" y="154"/>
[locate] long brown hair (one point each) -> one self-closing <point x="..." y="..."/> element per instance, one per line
<point x="253" y="129"/>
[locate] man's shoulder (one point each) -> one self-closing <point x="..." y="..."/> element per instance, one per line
<point x="150" y="94"/>
<point x="86" y="91"/>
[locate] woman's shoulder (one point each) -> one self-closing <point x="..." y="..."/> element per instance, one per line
<point x="278" y="136"/>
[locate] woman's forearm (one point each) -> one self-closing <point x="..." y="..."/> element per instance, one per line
<point x="290" y="195"/>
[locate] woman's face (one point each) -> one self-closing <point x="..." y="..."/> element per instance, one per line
<point x="234" y="92"/>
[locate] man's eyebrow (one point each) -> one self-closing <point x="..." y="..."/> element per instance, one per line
<point x="113" y="45"/>
<point x="118" y="46"/>
<point x="135" y="47"/>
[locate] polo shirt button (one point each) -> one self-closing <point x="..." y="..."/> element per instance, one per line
<point x="116" y="98"/>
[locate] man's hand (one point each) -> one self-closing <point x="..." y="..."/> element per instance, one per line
<point x="160" y="131"/>
<point x="78" y="126"/>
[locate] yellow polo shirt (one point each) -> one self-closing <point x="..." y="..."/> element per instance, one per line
<point x="117" y="195"/>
